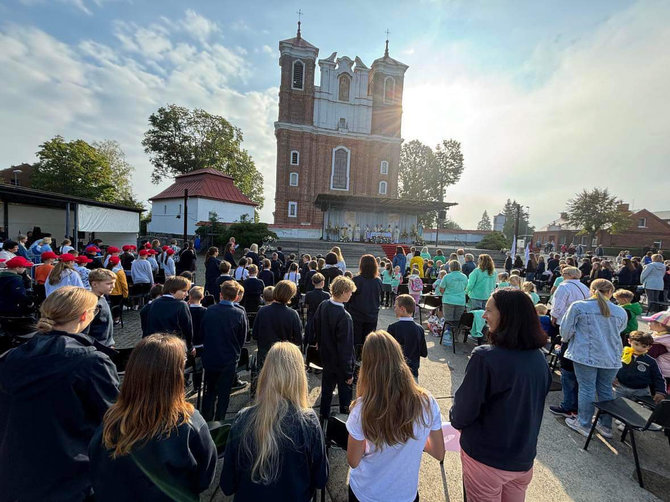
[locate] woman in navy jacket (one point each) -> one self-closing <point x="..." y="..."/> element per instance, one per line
<point x="54" y="391"/>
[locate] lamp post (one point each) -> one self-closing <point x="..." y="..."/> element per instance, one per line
<point x="16" y="176"/>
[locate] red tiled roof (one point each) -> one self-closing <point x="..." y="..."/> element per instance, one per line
<point x="207" y="183"/>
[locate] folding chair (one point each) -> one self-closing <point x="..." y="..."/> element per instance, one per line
<point x="429" y="302"/>
<point x="633" y="421"/>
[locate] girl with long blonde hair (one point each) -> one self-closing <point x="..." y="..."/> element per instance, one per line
<point x="152" y="443"/>
<point x="391" y="422"/>
<point x="341" y="264"/>
<point x="56" y="388"/>
<point x="481" y="282"/>
<point x="63" y="274"/>
<point x="275" y="450"/>
<point x="593" y="328"/>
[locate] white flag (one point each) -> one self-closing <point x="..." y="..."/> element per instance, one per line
<point x="512" y="251"/>
<point x="527" y="253"/>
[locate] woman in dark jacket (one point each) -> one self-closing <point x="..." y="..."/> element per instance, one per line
<point x="187" y="257"/>
<point x="364" y="303"/>
<point x="229" y="254"/>
<point x="212" y="271"/>
<point x="253" y="254"/>
<point x="505" y="384"/>
<point x="330" y="270"/>
<point x="54" y="391"/>
<point x="152" y="449"/>
<point x="628" y="275"/>
<point x="400" y="259"/>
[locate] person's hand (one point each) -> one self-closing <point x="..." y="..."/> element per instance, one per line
<point x="349" y="381"/>
<point x="193" y="352"/>
<point x="658" y="397"/>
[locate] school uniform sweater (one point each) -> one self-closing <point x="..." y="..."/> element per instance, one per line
<point x="641" y="372"/>
<point x="102" y="326"/>
<point x="364" y="303"/>
<point x="329" y="272"/>
<point x="141" y="273"/>
<point x="334" y="330"/>
<point x="276" y="323"/>
<point x="253" y="290"/>
<point x="412" y="340"/>
<point x="224" y="329"/>
<point x="169" y="315"/>
<point x="197" y="315"/>
<point x="267" y="277"/>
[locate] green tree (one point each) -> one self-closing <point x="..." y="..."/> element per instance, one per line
<point x="122" y="171"/>
<point x="245" y="232"/>
<point x="424" y="174"/>
<point x="74" y="168"/>
<point x="485" y="222"/>
<point x="510" y="212"/>
<point x="597" y="210"/>
<point x="180" y="140"/>
<point x="450" y="224"/>
<point x="494" y="240"/>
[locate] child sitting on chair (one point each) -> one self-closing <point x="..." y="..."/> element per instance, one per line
<point x="503" y="278"/>
<point x="639" y="374"/>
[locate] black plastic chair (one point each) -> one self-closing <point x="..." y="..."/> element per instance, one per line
<point x="429" y="302"/>
<point x="219" y="432"/>
<point x="633" y="421"/>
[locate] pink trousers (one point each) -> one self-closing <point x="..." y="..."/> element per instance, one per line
<point x="487" y="484"/>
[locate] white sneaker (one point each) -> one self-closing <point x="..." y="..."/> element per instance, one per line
<point x="605" y="432"/>
<point x="573" y="423"/>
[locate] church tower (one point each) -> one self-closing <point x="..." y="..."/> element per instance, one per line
<point x="387" y="80"/>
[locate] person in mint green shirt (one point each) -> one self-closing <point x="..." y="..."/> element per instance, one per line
<point x="481" y="283"/>
<point x="503" y="280"/>
<point x="439" y="256"/>
<point x="387" y="279"/>
<point x="452" y="286"/>
<point x="425" y="254"/>
<point x="529" y="288"/>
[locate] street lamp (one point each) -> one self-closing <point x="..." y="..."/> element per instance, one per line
<point x="16" y="176"/>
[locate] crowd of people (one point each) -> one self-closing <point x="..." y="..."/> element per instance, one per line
<point x="85" y="436"/>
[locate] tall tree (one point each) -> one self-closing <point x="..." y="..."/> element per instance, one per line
<point x="510" y="212"/>
<point x="74" y="168"/>
<point x="597" y="210"/>
<point x="485" y="222"/>
<point x="122" y="171"/>
<point x="424" y="174"/>
<point x="180" y="140"/>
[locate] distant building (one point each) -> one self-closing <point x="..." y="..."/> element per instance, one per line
<point x="209" y="192"/>
<point x="19" y="175"/>
<point x="499" y="222"/>
<point x="663" y="215"/>
<point x="646" y="230"/>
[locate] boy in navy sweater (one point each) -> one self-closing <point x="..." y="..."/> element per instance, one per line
<point x="312" y="301"/>
<point x="639" y="374"/>
<point x="408" y="333"/>
<point x="224" y="328"/>
<point x="334" y="332"/>
<point x="253" y="290"/>
<point x="266" y="274"/>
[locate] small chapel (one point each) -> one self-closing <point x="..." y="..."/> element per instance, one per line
<point x="338" y="147"/>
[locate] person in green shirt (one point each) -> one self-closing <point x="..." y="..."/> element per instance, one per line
<point x="625" y="298"/>
<point x="503" y="280"/>
<point x="425" y="254"/>
<point x="529" y="288"/>
<point x="452" y="287"/>
<point x="482" y="282"/>
<point x="387" y="279"/>
<point x="439" y="256"/>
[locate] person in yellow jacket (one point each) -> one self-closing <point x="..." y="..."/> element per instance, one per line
<point x="418" y="261"/>
<point x="120" y="291"/>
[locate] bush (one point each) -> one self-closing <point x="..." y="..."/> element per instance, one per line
<point x="494" y="240"/>
<point x="245" y="233"/>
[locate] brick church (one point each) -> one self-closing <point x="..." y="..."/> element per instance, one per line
<point x="338" y="143"/>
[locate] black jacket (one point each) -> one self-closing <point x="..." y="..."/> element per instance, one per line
<point x="211" y="274"/>
<point x="308" y="280"/>
<point x="312" y="301"/>
<point x="14" y="299"/>
<point x="267" y="277"/>
<point x="412" y="340"/>
<point x="254" y="258"/>
<point x="169" y="315"/>
<point x="501" y="389"/>
<point x="184" y="461"/>
<point x="102" y="326"/>
<point x="364" y="303"/>
<point x="628" y="277"/>
<point x="276" y="267"/>
<point x="276" y="323"/>
<point x="186" y="261"/>
<point x="197" y="315"/>
<point x="642" y="372"/>
<point x="230" y="258"/>
<point x="329" y="274"/>
<point x="224" y="329"/>
<point x="54" y="391"/>
<point x="304" y="464"/>
<point x="334" y="333"/>
<point x="127" y="260"/>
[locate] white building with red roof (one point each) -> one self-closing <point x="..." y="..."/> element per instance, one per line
<point x="209" y="192"/>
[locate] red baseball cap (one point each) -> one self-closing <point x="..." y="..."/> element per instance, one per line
<point x="126" y="247"/>
<point x="113" y="249"/>
<point x="67" y="257"/>
<point x="114" y="260"/>
<point x="165" y="248"/>
<point x="169" y="251"/>
<point x="152" y="251"/>
<point x="92" y="249"/>
<point x="18" y="261"/>
<point x="143" y="252"/>
<point x="147" y="245"/>
<point x="132" y="246"/>
<point x="49" y="255"/>
<point x="81" y="259"/>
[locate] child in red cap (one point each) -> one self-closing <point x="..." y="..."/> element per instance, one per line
<point x="14" y="299"/>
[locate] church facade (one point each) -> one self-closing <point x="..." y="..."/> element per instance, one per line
<point x="342" y="137"/>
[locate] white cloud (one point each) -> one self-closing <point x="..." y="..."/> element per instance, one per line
<point x="95" y="91"/>
<point x="268" y="50"/>
<point x="199" y="27"/>
<point x="82" y="5"/>
<point x="598" y="117"/>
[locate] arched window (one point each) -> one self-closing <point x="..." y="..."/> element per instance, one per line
<point x="382" y="188"/>
<point x="295" y="157"/>
<point x="293" y="179"/>
<point x="345" y="85"/>
<point x="389" y="90"/>
<point x="384" y="167"/>
<point x="339" y="177"/>
<point x="298" y="75"/>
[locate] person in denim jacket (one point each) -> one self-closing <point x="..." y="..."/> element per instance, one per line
<point x="591" y="328"/>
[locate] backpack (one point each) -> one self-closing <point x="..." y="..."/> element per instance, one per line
<point x="415" y="284"/>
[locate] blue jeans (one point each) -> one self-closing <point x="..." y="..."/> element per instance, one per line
<point x="593" y="381"/>
<point x="477" y="304"/>
<point x="569" y="385"/>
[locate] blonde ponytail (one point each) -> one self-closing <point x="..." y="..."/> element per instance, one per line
<point x="599" y="288"/>
<point x="64" y="305"/>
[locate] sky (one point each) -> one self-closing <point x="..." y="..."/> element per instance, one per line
<point x="547" y="98"/>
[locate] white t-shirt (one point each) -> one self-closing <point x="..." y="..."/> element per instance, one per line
<point x="391" y="473"/>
